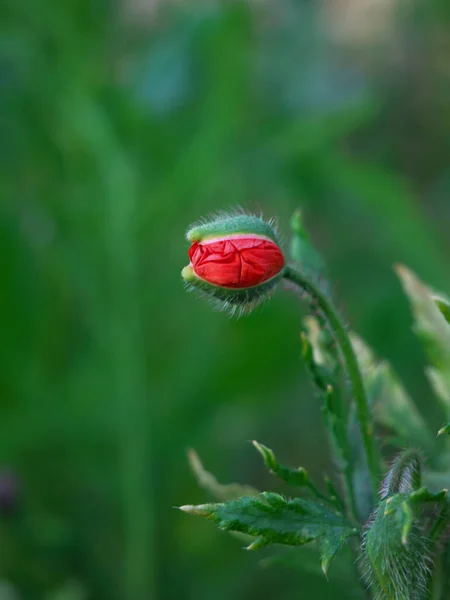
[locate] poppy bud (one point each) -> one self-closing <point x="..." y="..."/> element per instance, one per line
<point x="235" y="259"/>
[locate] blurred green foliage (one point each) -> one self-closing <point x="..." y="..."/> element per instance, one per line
<point x="119" y="129"/>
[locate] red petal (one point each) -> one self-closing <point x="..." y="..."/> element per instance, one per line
<point x="236" y="262"/>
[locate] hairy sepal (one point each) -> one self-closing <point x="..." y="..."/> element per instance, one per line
<point x="228" y="224"/>
<point x="395" y="570"/>
<point x="233" y="300"/>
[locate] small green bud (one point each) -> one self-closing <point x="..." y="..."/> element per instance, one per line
<point x="396" y="552"/>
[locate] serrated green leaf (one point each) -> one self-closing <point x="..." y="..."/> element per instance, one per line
<point x="434" y="330"/>
<point x="392" y="406"/>
<point x="220" y="491"/>
<point x="273" y="519"/>
<point x="297" y="477"/>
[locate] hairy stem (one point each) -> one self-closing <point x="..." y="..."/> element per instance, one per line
<point x="353" y="372"/>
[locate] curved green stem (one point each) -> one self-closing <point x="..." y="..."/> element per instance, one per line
<point x="352" y="368"/>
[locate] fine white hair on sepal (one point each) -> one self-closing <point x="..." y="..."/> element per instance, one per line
<point x="399" y="481"/>
<point x="235" y="307"/>
<point x="220" y="215"/>
<point x="226" y="217"/>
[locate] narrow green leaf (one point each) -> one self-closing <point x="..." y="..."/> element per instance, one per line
<point x="297" y="477"/>
<point x="273" y="519"/>
<point x="207" y="481"/>
<point x="302" y="249"/>
<point x="434" y="330"/>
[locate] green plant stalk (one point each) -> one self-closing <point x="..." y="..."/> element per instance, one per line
<point x="352" y="368"/>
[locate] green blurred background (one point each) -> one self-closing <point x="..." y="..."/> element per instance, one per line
<point x="121" y="124"/>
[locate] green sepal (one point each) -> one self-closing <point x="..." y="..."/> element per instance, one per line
<point x="226" y="224"/>
<point x="404" y="476"/>
<point x="273" y="519"/>
<point x="231" y="297"/>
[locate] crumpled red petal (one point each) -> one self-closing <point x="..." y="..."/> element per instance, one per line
<point x="236" y="262"/>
